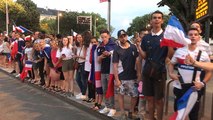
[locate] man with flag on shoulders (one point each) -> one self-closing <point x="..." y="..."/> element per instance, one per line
<point x="188" y="77"/>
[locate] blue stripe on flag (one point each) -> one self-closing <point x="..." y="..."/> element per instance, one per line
<point x="173" y="21"/>
<point x="182" y="102"/>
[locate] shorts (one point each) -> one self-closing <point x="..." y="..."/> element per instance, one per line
<point x="128" y="87"/>
<point x="153" y="87"/>
<point x="67" y="65"/>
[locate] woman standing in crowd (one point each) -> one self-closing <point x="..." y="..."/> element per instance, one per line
<point x="6" y="51"/>
<point x="80" y="73"/>
<point x="66" y="55"/>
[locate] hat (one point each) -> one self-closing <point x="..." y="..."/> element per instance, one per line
<point x="121" y="32"/>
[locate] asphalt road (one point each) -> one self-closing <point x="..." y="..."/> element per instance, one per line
<point x="20" y="101"/>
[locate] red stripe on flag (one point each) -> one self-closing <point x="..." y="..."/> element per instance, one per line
<point x="170" y="43"/>
<point x="103" y="1"/>
<point x="110" y="87"/>
<point x="174" y="116"/>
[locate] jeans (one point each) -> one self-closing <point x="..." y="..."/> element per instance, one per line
<point x="110" y="102"/>
<point x="81" y="78"/>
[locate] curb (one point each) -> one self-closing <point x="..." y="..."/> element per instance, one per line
<point x="65" y="99"/>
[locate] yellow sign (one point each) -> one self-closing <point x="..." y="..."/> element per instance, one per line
<point x="202" y="9"/>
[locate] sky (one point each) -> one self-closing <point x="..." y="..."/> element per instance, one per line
<point x="122" y="11"/>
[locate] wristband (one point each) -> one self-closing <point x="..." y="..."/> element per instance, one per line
<point x="203" y="83"/>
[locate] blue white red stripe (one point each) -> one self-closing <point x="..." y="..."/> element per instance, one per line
<point x="185" y="105"/>
<point x="174" y="35"/>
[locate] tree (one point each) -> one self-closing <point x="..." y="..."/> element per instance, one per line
<point x="182" y="9"/>
<point x="141" y="22"/>
<point x="15" y="10"/>
<point x="49" y="26"/>
<point x="68" y="21"/>
<point x="29" y="20"/>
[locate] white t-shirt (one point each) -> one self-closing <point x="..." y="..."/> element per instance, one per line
<point x="186" y="71"/>
<point x="203" y="46"/>
<point x="87" y="62"/>
<point x="29" y="53"/>
<point x="66" y="51"/>
<point x="80" y="52"/>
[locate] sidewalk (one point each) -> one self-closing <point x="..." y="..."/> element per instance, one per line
<point x="87" y="106"/>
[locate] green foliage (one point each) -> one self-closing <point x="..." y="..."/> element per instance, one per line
<point x="15" y="10"/>
<point x="29" y="20"/>
<point x="182" y="9"/>
<point x="68" y="21"/>
<point x="49" y="26"/>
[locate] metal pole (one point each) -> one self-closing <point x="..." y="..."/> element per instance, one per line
<point x="207" y="31"/>
<point x="95" y="27"/>
<point x="58" y="22"/>
<point x="7" y="17"/>
<point x="109" y="15"/>
<point x="91" y="24"/>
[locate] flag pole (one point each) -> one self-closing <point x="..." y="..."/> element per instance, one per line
<point x="7" y="17"/>
<point x="109" y="15"/>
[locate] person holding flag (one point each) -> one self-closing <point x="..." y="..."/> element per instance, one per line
<point x="188" y="79"/>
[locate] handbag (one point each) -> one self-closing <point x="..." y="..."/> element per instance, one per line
<point x="75" y="64"/>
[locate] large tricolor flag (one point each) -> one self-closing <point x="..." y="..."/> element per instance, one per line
<point x="174" y="35"/>
<point x="185" y="105"/>
<point x="21" y="29"/>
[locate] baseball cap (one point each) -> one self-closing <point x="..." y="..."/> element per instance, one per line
<point x="121" y="32"/>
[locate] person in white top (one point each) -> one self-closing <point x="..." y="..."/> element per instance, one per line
<point x="65" y="53"/>
<point x="184" y="80"/>
<point x="80" y="72"/>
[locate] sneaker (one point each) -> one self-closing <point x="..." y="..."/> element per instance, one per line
<point x="78" y="95"/>
<point x="105" y="110"/>
<point x="83" y="97"/>
<point x="111" y="113"/>
<point x="18" y="75"/>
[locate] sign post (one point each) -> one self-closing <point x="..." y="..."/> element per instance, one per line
<point x="85" y="20"/>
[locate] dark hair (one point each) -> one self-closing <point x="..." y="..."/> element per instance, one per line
<point x="93" y="38"/>
<point x="76" y="42"/>
<point x="157" y="12"/>
<point x="198" y="24"/>
<point x="193" y="29"/>
<point x="104" y="31"/>
<point x="86" y="37"/>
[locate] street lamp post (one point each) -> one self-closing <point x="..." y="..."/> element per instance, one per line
<point x="59" y="14"/>
<point x="96" y="19"/>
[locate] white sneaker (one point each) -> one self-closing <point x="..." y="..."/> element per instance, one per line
<point x="105" y="110"/>
<point x="78" y="96"/>
<point x="111" y="113"/>
<point x="18" y="75"/>
<point x="83" y="97"/>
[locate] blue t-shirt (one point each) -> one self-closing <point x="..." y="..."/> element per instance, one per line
<point x="151" y="45"/>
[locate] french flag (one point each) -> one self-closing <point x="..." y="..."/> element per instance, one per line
<point x="174" y="35"/>
<point x="21" y="29"/>
<point x="27" y="67"/>
<point x="185" y="104"/>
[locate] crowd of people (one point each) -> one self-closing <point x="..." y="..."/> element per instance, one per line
<point x="136" y="68"/>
